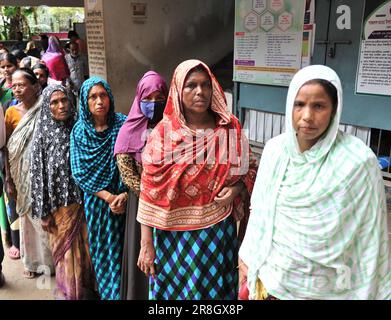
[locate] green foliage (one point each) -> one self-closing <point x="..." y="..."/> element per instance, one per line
<point x="61" y="19"/>
<point x="33" y="20"/>
<point x="14" y="19"/>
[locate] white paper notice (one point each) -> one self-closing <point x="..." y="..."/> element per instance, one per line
<point x="268" y="40"/>
<point x="374" y="69"/>
<point x="96" y="38"/>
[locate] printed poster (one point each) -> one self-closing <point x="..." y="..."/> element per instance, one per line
<point x="96" y="38"/>
<point x="374" y="67"/>
<point x="268" y="40"/>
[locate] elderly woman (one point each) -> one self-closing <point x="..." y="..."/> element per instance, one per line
<point x="318" y="226"/>
<point x="21" y="121"/>
<point x="95" y="171"/>
<point x="57" y="200"/>
<point x="197" y="172"/>
<point x="145" y="113"/>
<point x="28" y="62"/>
<point x="54" y="59"/>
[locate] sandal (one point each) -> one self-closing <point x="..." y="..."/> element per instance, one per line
<point x="29" y="274"/>
<point x="2" y="279"/>
<point x="14" y="253"/>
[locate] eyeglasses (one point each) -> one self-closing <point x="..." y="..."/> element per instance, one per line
<point x="95" y="96"/>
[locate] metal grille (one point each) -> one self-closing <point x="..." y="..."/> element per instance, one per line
<point x="262" y="126"/>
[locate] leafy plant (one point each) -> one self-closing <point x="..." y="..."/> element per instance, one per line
<point x="14" y="20"/>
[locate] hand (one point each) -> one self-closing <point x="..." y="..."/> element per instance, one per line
<point x="118" y="205"/>
<point x="243" y="270"/>
<point x="228" y="194"/>
<point x="119" y="200"/>
<point x="11" y="189"/>
<point x="110" y="198"/>
<point x="48" y="224"/>
<point x="243" y="289"/>
<point x="146" y="258"/>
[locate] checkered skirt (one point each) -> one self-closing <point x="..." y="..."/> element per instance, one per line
<point x="196" y="265"/>
<point x="106" y="236"/>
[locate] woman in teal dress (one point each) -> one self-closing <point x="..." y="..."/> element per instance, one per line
<point x="95" y="171"/>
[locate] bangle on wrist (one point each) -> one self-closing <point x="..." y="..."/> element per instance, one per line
<point x="107" y="197"/>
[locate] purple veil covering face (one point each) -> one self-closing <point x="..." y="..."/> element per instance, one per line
<point x="53" y="50"/>
<point x="130" y="137"/>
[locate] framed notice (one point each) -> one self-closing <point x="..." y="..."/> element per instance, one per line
<point x="139" y="10"/>
<point x="268" y="40"/>
<point x="374" y="67"/>
<point x="96" y="38"/>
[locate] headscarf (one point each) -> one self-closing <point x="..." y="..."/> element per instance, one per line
<point x="30" y="45"/>
<point x="131" y="138"/>
<point x="55" y="60"/>
<point x="178" y="190"/>
<point x="317" y="228"/>
<point x="92" y="162"/>
<point x="52" y="185"/>
<point x="54" y="49"/>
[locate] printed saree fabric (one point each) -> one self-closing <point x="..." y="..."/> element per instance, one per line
<point x="318" y="228"/>
<point x="183" y="169"/>
<point x="52" y="184"/>
<point x="75" y="277"/>
<point x="19" y="149"/>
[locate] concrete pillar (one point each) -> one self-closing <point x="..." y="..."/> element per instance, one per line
<point x="127" y="38"/>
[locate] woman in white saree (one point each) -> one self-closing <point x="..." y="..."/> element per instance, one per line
<point x="317" y="227"/>
<point x="35" y="251"/>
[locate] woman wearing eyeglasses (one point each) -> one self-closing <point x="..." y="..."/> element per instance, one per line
<point x="95" y="171"/>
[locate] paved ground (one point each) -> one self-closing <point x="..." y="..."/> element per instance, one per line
<point x="19" y="288"/>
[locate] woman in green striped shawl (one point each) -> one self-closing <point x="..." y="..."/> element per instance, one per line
<point x="318" y="226"/>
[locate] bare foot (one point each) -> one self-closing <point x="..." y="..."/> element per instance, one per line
<point x="14" y="253"/>
<point x="29" y="274"/>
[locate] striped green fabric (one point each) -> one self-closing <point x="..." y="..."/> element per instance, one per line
<point x="318" y="226"/>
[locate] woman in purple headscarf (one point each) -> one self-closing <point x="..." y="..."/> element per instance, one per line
<point x="145" y="113"/>
<point x="55" y="61"/>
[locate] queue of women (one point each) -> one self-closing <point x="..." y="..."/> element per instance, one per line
<point x="170" y="203"/>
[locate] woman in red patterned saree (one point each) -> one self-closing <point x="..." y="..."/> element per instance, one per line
<point x="198" y="173"/>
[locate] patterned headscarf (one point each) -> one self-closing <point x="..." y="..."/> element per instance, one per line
<point x="52" y="185"/>
<point x="174" y="108"/>
<point x="130" y="137"/>
<point x="177" y="187"/>
<point x="92" y="161"/>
